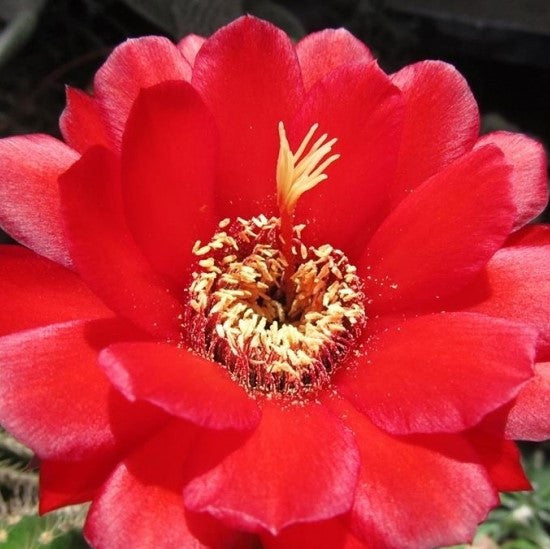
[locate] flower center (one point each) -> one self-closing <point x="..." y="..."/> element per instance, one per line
<point x="278" y="314"/>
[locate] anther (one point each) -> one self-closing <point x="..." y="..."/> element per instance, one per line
<point x="239" y="314"/>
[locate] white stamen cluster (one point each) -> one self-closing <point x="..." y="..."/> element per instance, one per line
<point x="239" y="316"/>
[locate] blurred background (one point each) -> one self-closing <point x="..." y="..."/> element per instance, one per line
<point x="501" y="46"/>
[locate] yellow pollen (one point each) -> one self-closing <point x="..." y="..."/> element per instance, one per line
<point x="300" y="171"/>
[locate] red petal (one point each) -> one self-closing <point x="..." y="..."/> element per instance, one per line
<point x="41" y="292"/>
<point x="181" y="383"/>
<point x="514" y="285"/>
<point x="72" y="482"/>
<point x="57" y="401"/>
<point x="106" y="256"/>
<point x="439" y="373"/>
<point x="529" y="176"/>
<point x="141" y="506"/>
<point x="531" y="235"/>
<point x="529" y="418"/>
<point x="437" y="239"/>
<point x="358" y="105"/>
<point x="189" y="46"/>
<point x="499" y="456"/>
<point x="249" y="77"/>
<point x="417" y="491"/>
<point x="29" y="195"/>
<point x="441" y="122"/>
<point x="329" y="534"/>
<point x="136" y="64"/>
<point x="321" y="52"/>
<point x="81" y="122"/>
<point x="168" y="175"/>
<point x="502" y="460"/>
<point x="299" y="465"/>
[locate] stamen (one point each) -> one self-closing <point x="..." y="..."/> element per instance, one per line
<point x="240" y="315"/>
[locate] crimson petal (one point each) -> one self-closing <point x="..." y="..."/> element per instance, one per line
<point x="136" y="64"/>
<point x="72" y="482"/>
<point x="300" y="465"/>
<point x="441" y="235"/>
<point x="181" y="383"/>
<point x="249" y="77"/>
<point x="529" y="175"/>
<point x="82" y="123"/>
<point x="439" y="373"/>
<point x="357" y="185"/>
<point x="515" y="285"/>
<point x="530" y="235"/>
<point x="189" y="46"/>
<point x="500" y="457"/>
<point x="168" y="160"/>
<point x="56" y="400"/>
<point x="441" y="122"/>
<point x="399" y="505"/>
<point x="41" y="292"/>
<point x="140" y="505"/>
<point x="29" y="195"/>
<point x="106" y="256"/>
<point x="323" y="51"/>
<point x="329" y="534"/>
<point x="529" y="417"/>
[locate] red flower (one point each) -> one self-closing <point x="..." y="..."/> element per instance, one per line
<point x="245" y="387"/>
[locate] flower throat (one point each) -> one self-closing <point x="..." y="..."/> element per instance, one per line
<point x="278" y="314"/>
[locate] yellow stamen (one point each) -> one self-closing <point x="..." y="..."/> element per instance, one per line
<point x="238" y="318"/>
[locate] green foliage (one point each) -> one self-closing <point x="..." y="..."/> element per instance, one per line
<point x="53" y="531"/>
<point x="20" y="527"/>
<point x="18" y="480"/>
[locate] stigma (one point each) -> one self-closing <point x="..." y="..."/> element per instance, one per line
<point x="297" y="173"/>
<point x="300" y="171"/>
<point x="280" y="315"/>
